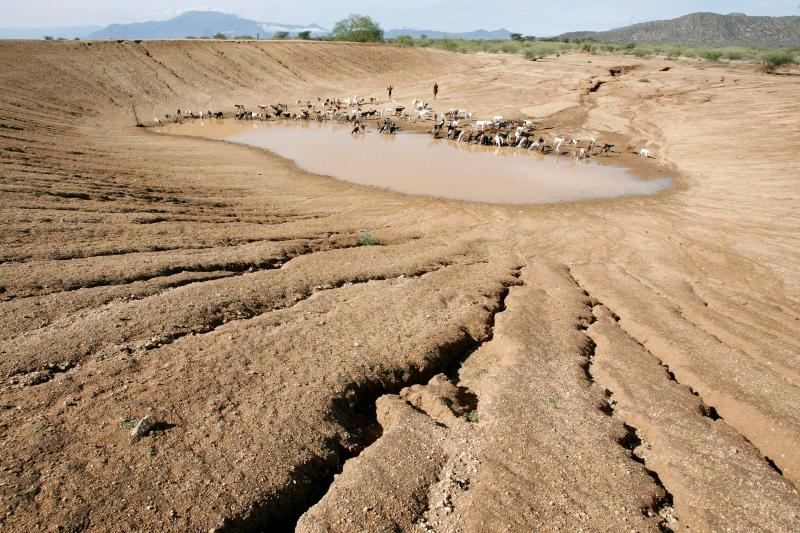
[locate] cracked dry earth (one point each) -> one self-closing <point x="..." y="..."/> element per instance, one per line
<point x="621" y="365"/>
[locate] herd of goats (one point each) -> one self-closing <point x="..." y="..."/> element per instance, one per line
<point x="455" y="124"/>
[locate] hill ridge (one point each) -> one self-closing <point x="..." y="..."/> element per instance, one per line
<point x="704" y="29"/>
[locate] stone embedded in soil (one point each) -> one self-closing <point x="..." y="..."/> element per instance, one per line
<point x="143" y="427"/>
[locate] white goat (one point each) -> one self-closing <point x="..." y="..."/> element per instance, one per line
<point x="559" y="141"/>
<point x="644" y="152"/>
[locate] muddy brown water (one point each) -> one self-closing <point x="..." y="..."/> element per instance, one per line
<point x="416" y="164"/>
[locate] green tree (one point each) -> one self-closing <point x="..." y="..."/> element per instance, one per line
<point x="48" y="37"/>
<point x="281" y="35"/>
<point x="358" y="29"/>
<point x="304" y="35"/>
<point x="516" y="36"/>
<point x="220" y="36"/>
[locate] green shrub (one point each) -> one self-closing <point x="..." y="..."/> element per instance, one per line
<point x="711" y="55"/>
<point x="531" y="55"/>
<point x="404" y="40"/>
<point x="220" y="36"/>
<point x="367" y="239"/>
<point x="778" y="58"/>
<point x="509" y="48"/>
<point x="48" y="37"/>
<point x="280" y="35"/>
<point x="304" y="35"/>
<point x="674" y="52"/>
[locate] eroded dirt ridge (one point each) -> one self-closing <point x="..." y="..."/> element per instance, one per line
<point x="639" y="372"/>
<point x="356" y="412"/>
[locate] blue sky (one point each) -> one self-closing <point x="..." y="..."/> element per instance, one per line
<point x="533" y="17"/>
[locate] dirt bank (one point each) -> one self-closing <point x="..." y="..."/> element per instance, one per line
<point x="629" y="364"/>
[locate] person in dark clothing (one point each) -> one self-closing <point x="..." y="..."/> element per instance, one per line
<point x="390" y="89"/>
<point x="435" y="90"/>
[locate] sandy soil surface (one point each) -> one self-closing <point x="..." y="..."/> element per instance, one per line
<point x="619" y="365"/>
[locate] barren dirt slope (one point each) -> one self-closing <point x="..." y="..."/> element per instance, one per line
<point x="607" y="366"/>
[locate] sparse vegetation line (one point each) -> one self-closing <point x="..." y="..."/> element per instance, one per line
<point x="771" y="58"/>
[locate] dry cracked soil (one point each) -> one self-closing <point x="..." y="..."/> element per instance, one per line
<point x="619" y="365"/>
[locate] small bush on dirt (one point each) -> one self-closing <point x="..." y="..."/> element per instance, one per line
<point x="367" y="239"/>
<point x="674" y="52"/>
<point x="643" y="50"/>
<point x="404" y="40"/>
<point x="280" y="35"/>
<point x="304" y="35"/>
<point x="472" y="416"/>
<point x="773" y="60"/>
<point x="220" y="36"/>
<point x="711" y="55"/>
<point x="244" y="37"/>
<point x="127" y="423"/>
<point x="733" y="55"/>
<point x="48" y="37"/>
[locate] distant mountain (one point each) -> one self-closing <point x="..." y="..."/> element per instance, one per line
<point x="479" y="35"/>
<point x="705" y="29"/>
<point x="200" y="24"/>
<point x="67" y="32"/>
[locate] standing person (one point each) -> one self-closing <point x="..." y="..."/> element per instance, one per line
<point x="435" y="90"/>
<point x="390" y="89"/>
